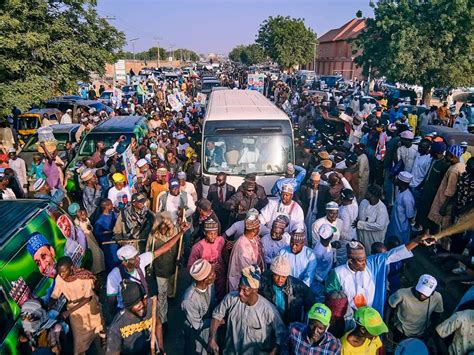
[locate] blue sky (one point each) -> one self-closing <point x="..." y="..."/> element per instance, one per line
<point x="218" y="25"/>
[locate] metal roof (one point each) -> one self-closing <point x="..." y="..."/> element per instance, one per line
<point x="119" y="124"/>
<point x="227" y="105"/>
<point x="349" y="30"/>
<point x="15" y="213"/>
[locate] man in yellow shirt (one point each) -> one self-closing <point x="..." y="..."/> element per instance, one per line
<point x="364" y="338"/>
<point x="466" y="155"/>
<point x="413" y="119"/>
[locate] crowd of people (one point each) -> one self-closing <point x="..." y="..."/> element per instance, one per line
<point x="316" y="268"/>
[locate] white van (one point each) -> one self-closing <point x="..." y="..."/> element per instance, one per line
<point x="245" y="133"/>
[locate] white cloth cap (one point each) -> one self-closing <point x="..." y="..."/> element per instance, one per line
<point x="325" y="231"/>
<point x="11" y="150"/>
<point x="426" y="285"/>
<point x="181" y="175"/>
<point x="127" y="252"/>
<point x="407" y="135"/>
<point x="405" y="176"/>
<point x="463" y="144"/>
<point x="110" y="152"/>
<point x="200" y="269"/>
<point x="39" y="184"/>
<point x="332" y="206"/>
<point x="288" y="188"/>
<point x="281" y="266"/>
<point x="141" y="162"/>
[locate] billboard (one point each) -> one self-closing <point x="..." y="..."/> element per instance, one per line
<point x="256" y="82"/>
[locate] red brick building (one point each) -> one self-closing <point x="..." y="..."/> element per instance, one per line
<point x="334" y="54"/>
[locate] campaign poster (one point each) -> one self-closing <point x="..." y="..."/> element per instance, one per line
<point x="255" y="82"/>
<point x="129" y="163"/>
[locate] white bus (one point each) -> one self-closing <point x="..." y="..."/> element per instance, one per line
<point x="245" y="133"/>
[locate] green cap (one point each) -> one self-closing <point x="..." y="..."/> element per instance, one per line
<point x="371" y="320"/>
<point x="320" y="312"/>
<point x="73" y="208"/>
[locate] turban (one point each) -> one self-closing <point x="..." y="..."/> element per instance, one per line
<point x="251" y="277"/>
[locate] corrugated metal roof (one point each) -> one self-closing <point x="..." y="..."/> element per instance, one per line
<point x="349" y="30"/>
<point x="15" y="213"/>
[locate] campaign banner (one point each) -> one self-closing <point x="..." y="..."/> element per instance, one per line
<point x="255" y="82"/>
<point x="201" y="98"/>
<point x="175" y="104"/>
<point x="129" y="163"/>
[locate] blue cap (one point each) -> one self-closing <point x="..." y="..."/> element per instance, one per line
<point x="35" y="242"/>
<point x="73" y="208"/>
<point x="174" y="184"/>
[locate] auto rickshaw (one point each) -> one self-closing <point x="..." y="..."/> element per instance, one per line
<point x="30" y="121"/>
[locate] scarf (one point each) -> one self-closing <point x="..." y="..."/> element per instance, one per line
<point x="80" y="274"/>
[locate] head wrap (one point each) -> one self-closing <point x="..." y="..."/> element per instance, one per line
<point x="35" y="242"/>
<point x="200" y="269"/>
<point x="456" y="150"/>
<point x="281" y="266"/>
<point x="251" y="276"/>
<point x="127" y="252"/>
<point x="355" y="249"/>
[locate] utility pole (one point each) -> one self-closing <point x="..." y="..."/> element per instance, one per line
<point x="158" y="51"/>
<point x="133" y="45"/>
<point x="314" y="57"/>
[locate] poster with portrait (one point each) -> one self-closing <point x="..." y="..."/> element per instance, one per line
<point x="129" y="161"/>
<point x="255" y="82"/>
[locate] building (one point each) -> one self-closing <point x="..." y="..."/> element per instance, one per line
<point x="334" y="53"/>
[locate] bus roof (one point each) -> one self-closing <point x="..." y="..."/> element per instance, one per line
<point x="227" y="105"/>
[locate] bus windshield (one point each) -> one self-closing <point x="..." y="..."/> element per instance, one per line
<point x="247" y="153"/>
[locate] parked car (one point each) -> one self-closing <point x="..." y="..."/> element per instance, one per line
<point x="396" y="96"/>
<point x="77" y="105"/>
<point x="62" y="133"/>
<point x="330" y="81"/>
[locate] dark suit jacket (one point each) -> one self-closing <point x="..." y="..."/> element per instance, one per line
<point x="213" y="195"/>
<point x="323" y="198"/>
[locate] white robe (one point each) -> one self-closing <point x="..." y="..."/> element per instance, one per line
<point x="19" y="167"/>
<point x="372" y="224"/>
<point x="275" y="208"/>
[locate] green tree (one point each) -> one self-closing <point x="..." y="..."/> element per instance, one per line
<point x="236" y="52"/>
<point x="287" y="40"/>
<point x="251" y="54"/>
<point x="428" y="43"/>
<point x="47" y="46"/>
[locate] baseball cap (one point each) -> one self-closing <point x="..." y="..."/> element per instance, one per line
<point x="426" y="285"/>
<point x="320" y="312"/>
<point x="138" y="197"/>
<point x="371" y="320"/>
